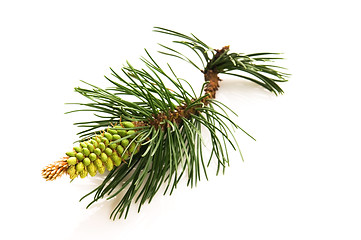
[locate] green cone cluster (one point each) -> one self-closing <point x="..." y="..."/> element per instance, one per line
<point x="103" y="151"/>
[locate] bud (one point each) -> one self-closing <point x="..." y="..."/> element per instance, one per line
<point x="73" y="176"/>
<point x="83" y="144"/>
<point x="122" y="132"/>
<point x="97" y="151"/>
<point x="109" y="164"/>
<point x="92" y="156"/>
<point x="92" y="169"/>
<point x="71" y="170"/>
<point x="71" y="154"/>
<point x="124" y="142"/>
<point x="125" y="155"/>
<point x="101" y="169"/>
<point x="120" y="150"/>
<point x="79" y="156"/>
<point x="112" y="131"/>
<point x="108" y="136"/>
<point x="103" y="157"/>
<point x="105" y="141"/>
<point x="77" y="148"/>
<point x="113" y="145"/>
<point x="116" y="137"/>
<point x="86" y="161"/>
<point x="94" y="143"/>
<point x="102" y="146"/>
<point x="83" y="173"/>
<point x="90" y="147"/>
<point x="131" y="132"/>
<point x="98" y="163"/>
<point x="131" y="147"/>
<point x="86" y="152"/>
<point x="116" y="159"/>
<point x="72" y="161"/>
<point x="128" y="124"/>
<point x="79" y="167"/>
<point x="108" y="151"/>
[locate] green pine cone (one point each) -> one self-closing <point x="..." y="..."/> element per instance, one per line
<point x="103" y="151"/>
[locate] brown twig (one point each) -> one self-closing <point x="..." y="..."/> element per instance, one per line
<point x="182" y="111"/>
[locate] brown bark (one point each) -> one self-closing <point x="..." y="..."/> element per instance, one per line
<point x="210" y="76"/>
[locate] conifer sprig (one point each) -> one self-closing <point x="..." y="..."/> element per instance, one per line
<point x="164" y="139"/>
<point x="254" y="67"/>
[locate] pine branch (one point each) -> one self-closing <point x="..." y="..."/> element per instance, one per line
<point x="157" y="139"/>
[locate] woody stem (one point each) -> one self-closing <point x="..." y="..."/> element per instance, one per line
<point x="183" y="111"/>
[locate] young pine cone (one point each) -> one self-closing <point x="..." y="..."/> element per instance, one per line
<point x="104" y="151"/>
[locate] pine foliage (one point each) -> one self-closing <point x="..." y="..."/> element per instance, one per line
<point x="170" y="120"/>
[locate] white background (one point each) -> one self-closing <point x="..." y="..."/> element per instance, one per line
<point x="300" y="180"/>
